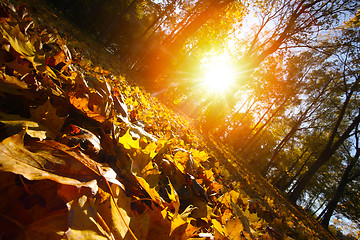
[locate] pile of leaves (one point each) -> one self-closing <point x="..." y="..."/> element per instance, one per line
<point x="84" y="154"/>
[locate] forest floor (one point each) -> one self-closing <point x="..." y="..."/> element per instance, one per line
<point x="86" y="153"/>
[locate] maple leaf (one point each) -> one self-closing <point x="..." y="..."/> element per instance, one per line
<point x="14" y="123"/>
<point x="199" y="156"/>
<point x="24" y="45"/>
<point x="11" y="83"/>
<point x="29" y="209"/>
<point x="178" y="227"/>
<point x="47" y="118"/>
<point x="89" y="104"/>
<point x="54" y="161"/>
<point x="76" y="136"/>
<point x="234" y="228"/>
<point x="128" y="142"/>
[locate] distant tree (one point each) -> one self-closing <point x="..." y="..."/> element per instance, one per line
<point x="351" y="173"/>
<point x="348" y="116"/>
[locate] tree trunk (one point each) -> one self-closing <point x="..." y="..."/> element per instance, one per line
<point x="330" y="147"/>
<point x="345" y="179"/>
<point x="297" y="174"/>
<point x="324" y="157"/>
<point x="280" y="180"/>
<point x="293" y="130"/>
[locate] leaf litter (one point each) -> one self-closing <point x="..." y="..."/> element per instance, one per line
<point x="86" y="155"/>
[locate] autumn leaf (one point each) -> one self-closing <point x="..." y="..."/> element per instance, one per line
<point x="30" y="209"/>
<point x="24" y="45"/>
<point x="18" y="40"/>
<point x="226" y="215"/>
<point x="128" y="142"/>
<point x="53" y="161"/>
<point x="178" y="227"/>
<point x="14" y="123"/>
<point x="230" y="197"/>
<point x="151" y="191"/>
<point x="199" y="156"/>
<point x="76" y="136"/>
<point x="14" y="83"/>
<point x="175" y="202"/>
<point x="234" y="227"/>
<point x="85" y="221"/>
<point x="89" y="104"/>
<point x="252" y="217"/>
<point x="47" y="118"/>
<point x="220" y="231"/>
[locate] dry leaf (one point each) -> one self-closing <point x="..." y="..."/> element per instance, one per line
<point x="46" y="116"/>
<point x="53" y="161"/>
<point x="234" y="227"/>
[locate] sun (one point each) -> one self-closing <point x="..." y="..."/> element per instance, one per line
<point x="218" y="75"/>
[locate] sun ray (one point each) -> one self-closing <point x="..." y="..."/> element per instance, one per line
<point x="218" y="75"/>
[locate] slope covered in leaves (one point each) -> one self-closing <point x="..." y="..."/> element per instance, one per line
<point x="84" y="154"/>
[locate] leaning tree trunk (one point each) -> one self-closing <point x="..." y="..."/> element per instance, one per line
<point x="345" y="179"/>
<point x="324" y="157"/>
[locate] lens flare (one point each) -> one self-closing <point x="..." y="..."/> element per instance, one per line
<point x="218" y="74"/>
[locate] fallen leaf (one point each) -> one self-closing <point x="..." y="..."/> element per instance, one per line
<point x="76" y="136"/>
<point x="219" y="230"/>
<point x="234" y="227"/>
<point x="30" y="209"/>
<point x="128" y="142"/>
<point x="85" y="222"/>
<point x="52" y="161"/>
<point x="46" y="116"/>
<point x="14" y="123"/>
<point x="13" y="81"/>
<point x="82" y="102"/>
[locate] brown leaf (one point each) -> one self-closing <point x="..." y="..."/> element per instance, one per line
<point x="106" y="217"/>
<point x="51" y="160"/>
<point x="85" y="222"/>
<point x="14" y="123"/>
<point x="11" y="80"/>
<point x="46" y="116"/>
<point x="87" y="104"/>
<point x="23" y="44"/>
<point x="159" y="227"/>
<point x="76" y="136"/>
<point x="30" y="209"/>
<point x="21" y="67"/>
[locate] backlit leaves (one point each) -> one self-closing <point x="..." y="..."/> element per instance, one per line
<point x="128" y="142"/>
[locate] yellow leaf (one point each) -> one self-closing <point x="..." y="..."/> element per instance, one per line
<point x="218" y="227"/>
<point x="226" y="216"/>
<point x="234" y="228"/>
<point x="151" y="191"/>
<point x="150" y="149"/>
<point x="181" y="157"/>
<point x="199" y="156"/>
<point x="174" y="198"/>
<point x="128" y="142"/>
<point x="252" y="217"/>
<point x="178" y="224"/>
<point x="46" y="116"/>
<point x="230" y="197"/>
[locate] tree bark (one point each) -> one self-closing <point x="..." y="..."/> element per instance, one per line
<point x="293" y="130"/>
<point x="325" y="156"/>
<point x="330" y="147"/>
<point x="345" y="179"/>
